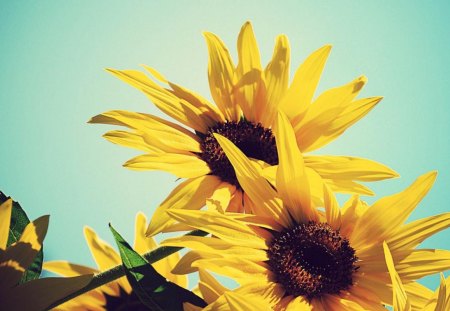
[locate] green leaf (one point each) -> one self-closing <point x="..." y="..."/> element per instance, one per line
<point x="153" y="289"/>
<point x="19" y="220"/>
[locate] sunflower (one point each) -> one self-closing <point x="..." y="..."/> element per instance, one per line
<point x="16" y="258"/>
<point x="247" y="98"/>
<point x="438" y="301"/>
<point x="117" y="294"/>
<point x="297" y="256"/>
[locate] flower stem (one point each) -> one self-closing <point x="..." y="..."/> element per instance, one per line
<point x="118" y="271"/>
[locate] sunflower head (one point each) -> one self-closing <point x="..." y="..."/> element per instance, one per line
<point x="311" y="260"/>
<point x="254" y="140"/>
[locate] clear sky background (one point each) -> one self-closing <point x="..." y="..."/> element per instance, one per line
<point x="53" y="55"/>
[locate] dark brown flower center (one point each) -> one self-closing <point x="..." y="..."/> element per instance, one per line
<point x="311" y="260"/>
<point x="123" y="302"/>
<point x="253" y="140"/>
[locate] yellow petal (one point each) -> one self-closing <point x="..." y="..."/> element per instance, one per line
<point x="413" y="233"/>
<point x="239" y="302"/>
<point x="417" y="294"/>
<point x="66" y="268"/>
<point x="5" y="219"/>
<point x="347" y="186"/>
<point x="221" y="226"/>
<point x="301" y="91"/>
<point x="185" y="265"/>
<point x="332" y="211"/>
<point x="236" y="204"/>
<point x="292" y="181"/>
<point x="420" y="263"/>
<point x="190" y="194"/>
<point x="142" y="244"/>
<point x="242" y="270"/>
<point x="177" y="108"/>
<point x="443" y="301"/>
<point x="372" y="227"/>
<point x="253" y="183"/>
<point x="352" y="210"/>
<point x="401" y="301"/>
<point x="298" y="303"/>
<point x="333" y="101"/>
<point x="209" y="245"/>
<point x="25" y="250"/>
<point x="249" y="66"/>
<point x="276" y="77"/>
<point x="210" y="288"/>
<point x="331" y="124"/>
<point x="181" y="165"/>
<point x="222" y="195"/>
<point x="133" y="140"/>
<point x="205" y="107"/>
<point x="220" y="76"/>
<point x="156" y="131"/>
<point x="351" y="168"/>
<point x="104" y="255"/>
<point x="38" y="294"/>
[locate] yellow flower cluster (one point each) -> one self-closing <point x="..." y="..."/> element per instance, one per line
<point x="264" y="205"/>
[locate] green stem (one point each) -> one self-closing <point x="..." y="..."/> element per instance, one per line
<point x="118" y="271"/>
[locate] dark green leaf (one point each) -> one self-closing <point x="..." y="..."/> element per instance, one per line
<point x="153" y="289"/>
<point x="19" y="220"/>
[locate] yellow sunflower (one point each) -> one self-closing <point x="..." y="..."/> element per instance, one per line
<point x="438" y="301"/>
<point x="117" y="294"/>
<point x="247" y="98"/>
<point x="16" y="259"/>
<point x="297" y="256"/>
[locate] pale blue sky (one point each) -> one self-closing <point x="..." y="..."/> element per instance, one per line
<point x="53" y="55"/>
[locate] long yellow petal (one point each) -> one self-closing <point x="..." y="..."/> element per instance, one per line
<point x="253" y="183"/>
<point x="5" y="219"/>
<point x="210" y="288"/>
<point x="205" y="107"/>
<point x="301" y="91"/>
<point x="38" y="294"/>
<point x="292" y="181"/>
<point x="241" y="270"/>
<point x="103" y="254"/>
<point x="347" y="186"/>
<point x="401" y="301"/>
<point x="332" y="211"/>
<point x="181" y="165"/>
<point x="190" y="194"/>
<point x="206" y="244"/>
<point x="185" y="265"/>
<point x="372" y="227"/>
<point x="348" y="168"/>
<point x="220" y="76"/>
<point x="412" y="234"/>
<point x="248" y="71"/>
<point x="161" y="133"/>
<point x="133" y="140"/>
<point x="67" y="269"/>
<point x="422" y="262"/>
<point x="333" y="126"/>
<point x="239" y="302"/>
<point x="334" y="100"/>
<point x="276" y="77"/>
<point x="142" y="243"/>
<point x="298" y="303"/>
<point x="221" y="226"/>
<point x="179" y="109"/>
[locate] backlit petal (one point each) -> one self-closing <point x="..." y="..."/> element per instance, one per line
<point x="190" y="194"/>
